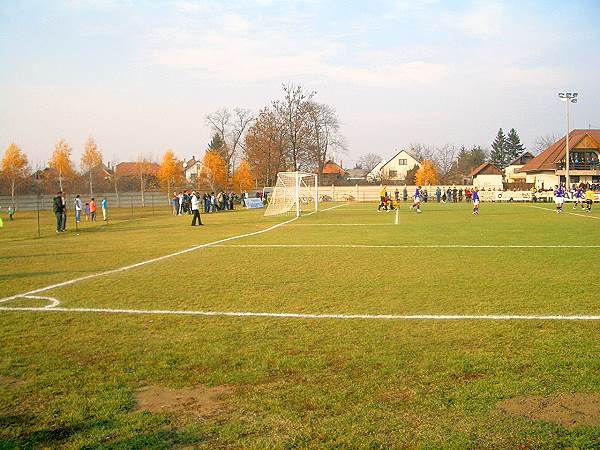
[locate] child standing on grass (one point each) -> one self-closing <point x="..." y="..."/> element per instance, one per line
<point x="475" y="200"/>
<point x="11" y="212"/>
<point x="87" y="211"/>
<point x="104" y="206"/>
<point x="78" y="208"/>
<point x="93" y="209"/>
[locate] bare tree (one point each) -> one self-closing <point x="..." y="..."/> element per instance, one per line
<point x="543" y="142"/>
<point x="293" y="110"/>
<point x="242" y="120"/>
<point x="324" y="136"/>
<point x="369" y="161"/>
<point x="219" y="122"/>
<point x="444" y="158"/>
<point x="230" y="127"/>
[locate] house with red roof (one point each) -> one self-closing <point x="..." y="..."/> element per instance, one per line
<point x="513" y="173"/>
<point x="549" y="167"/>
<point x="487" y="176"/>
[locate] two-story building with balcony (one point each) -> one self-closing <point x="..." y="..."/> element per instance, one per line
<point x="549" y="167"/>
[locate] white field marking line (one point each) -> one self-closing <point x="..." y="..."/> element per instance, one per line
<point x="399" y="246"/>
<point x="572" y="213"/>
<point x="341" y="224"/>
<point x="497" y="317"/>
<point x="142" y="263"/>
<point x="333" y="207"/>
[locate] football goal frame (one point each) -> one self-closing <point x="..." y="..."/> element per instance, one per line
<point x="291" y="190"/>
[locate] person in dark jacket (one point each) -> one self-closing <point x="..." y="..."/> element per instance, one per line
<point x="59" y="209"/>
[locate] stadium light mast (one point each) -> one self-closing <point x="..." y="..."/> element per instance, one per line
<point x="567" y="97"/>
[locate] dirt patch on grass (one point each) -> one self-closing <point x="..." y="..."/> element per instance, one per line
<point x="198" y="400"/>
<point x="567" y="410"/>
<point x="10" y="382"/>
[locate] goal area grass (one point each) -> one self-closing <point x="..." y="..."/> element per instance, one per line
<point x="335" y="329"/>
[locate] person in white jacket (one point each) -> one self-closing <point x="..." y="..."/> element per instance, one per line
<point x="196" y="208"/>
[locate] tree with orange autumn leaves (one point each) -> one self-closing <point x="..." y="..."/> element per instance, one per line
<point x="14" y="167"/>
<point x="61" y="162"/>
<point x="170" y="170"/>
<point x="426" y="174"/>
<point x="242" y="177"/>
<point x="90" y="160"/>
<point x="214" y="170"/>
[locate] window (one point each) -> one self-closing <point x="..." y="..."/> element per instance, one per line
<point x="393" y="173"/>
<point x="402" y="162"/>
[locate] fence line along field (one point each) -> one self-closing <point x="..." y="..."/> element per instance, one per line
<point x="264" y="331"/>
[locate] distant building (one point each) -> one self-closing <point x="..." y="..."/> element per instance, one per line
<point x="375" y="173"/>
<point x="332" y="168"/>
<point x="357" y="174"/>
<point x="396" y="168"/>
<point x="513" y="173"/>
<point x="192" y="169"/>
<point x="487" y="176"/>
<point x="548" y="168"/>
<point x="332" y="172"/>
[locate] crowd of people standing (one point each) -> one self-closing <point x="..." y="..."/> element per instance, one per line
<point x="59" y="207"/>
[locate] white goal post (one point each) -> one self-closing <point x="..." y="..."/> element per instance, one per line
<point x="294" y="189"/>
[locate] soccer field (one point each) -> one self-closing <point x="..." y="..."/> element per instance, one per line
<point x="339" y="328"/>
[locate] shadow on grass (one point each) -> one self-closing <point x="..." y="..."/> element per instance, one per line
<point x="58" y="436"/>
<point x="52" y="254"/>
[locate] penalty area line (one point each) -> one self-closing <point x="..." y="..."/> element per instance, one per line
<point x="396" y="246"/>
<point x="448" y="317"/>
<point x="564" y="212"/>
<point x="142" y="263"/>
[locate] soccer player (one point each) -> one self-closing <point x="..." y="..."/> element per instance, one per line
<point x="417" y="199"/>
<point x="578" y="197"/>
<point x="589" y="198"/>
<point x="475" y="200"/>
<point x="559" y="198"/>
<point x="382" y="197"/>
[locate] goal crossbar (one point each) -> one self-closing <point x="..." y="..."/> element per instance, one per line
<point x="292" y="190"/>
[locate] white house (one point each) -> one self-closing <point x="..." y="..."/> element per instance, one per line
<point x="191" y="169"/>
<point x="487" y="176"/>
<point x="513" y="173"/>
<point x="375" y="174"/>
<point x="397" y="167"/>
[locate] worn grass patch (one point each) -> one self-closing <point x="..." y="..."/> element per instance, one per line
<point x="567" y="410"/>
<point x="197" y="400"/>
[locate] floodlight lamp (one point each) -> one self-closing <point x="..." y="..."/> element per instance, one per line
<point x="574" y="94"/>
<point x="574" y="100"/>
<point x="561" y="95"/>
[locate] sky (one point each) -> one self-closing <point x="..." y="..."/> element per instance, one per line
<point x="141" y="76"/>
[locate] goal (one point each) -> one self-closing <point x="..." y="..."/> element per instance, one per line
<point x="294" y="190"/>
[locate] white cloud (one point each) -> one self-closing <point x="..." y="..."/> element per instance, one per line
<point x="484" y="20"/>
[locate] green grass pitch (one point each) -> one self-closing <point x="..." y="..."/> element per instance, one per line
<point x="69" y="378"/>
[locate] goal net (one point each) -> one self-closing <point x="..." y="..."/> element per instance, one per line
<point x="294" y="191"/>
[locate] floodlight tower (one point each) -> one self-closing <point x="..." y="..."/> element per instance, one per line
<point x="567" y="97"/>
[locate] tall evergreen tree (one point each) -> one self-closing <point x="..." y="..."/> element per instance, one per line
<point x="217" y="145"/>
<point x="514" y="148"/>
<point x="498" y="154"/>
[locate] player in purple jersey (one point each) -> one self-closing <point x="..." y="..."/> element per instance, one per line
<point x="579" y="197"/>
<point x="559" y="198"/>
<point x="417" y="199"/>
<point x="475" y="200"/>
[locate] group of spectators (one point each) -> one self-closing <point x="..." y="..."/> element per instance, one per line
<point x="59" y="207"/>
<point x="210" y="203"/>
<point x="191" y="202"/>
<point x="442" y="195"/>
